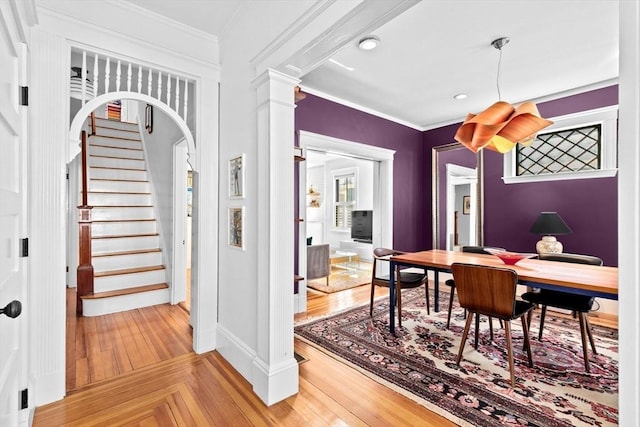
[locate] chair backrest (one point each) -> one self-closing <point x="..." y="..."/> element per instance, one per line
<point x="479" y="249"/>
<point x="318" y="263"/>
<point x="574" y="258"/>
<point x="486" y="290"/>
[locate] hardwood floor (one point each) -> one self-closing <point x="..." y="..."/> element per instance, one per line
<point x="136" y="369"/>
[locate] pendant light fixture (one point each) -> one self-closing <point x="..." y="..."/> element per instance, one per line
<point x="501" y="126"/>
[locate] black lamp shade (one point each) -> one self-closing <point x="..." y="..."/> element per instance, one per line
<point x="550" y="223"/>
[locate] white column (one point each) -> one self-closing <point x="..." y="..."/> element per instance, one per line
<point x="275" y="371"/>
<point x="48" y="147"/>
<point x="629" y="212"/>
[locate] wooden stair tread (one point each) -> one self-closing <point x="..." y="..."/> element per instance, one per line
<point x="115" y="147"/>
<point x="128" y="291"/>
<point x="117" y="137"/>
<point x="102" y="156"/>
<point x="131" y="252"/>
<point x="119" y="180"/>
<point x="122" y="206"/>
<point x="128" y="271"/>
<point x="122" y="220"/>
<point x="120" y="236"/>
<point x="117" y="192"/>
<point x="111" y="167"/>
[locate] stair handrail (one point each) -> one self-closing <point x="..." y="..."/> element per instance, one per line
<point x="85" y="275"/>
<point x="93" y="123"/>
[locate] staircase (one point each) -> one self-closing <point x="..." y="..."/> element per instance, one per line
<point x="126" y="255"/>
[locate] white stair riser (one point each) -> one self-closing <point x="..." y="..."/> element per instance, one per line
<point x="108" y="162"/>
<point x="124" y="244"/>
<point x="119" y="186"/>
<point x="120" y="228"/>
<point x="126" y="281"/>
<point x="114" y="124"/>
<point x="102" y="306"/>
<point x="119" y="199"/>
<point x="117" y="262"/>
<point x="104" y="213"/>
<point x="113" y="142"/>
<point x="137" y="175"/>
<point x="97" y="150"/>
<point x="118" y="133"/>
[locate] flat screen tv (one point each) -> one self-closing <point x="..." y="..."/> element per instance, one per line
<point x="362" y="226"/>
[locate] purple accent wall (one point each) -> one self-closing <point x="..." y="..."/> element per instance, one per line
<point x="411" y="198"/>
<point x="588" y="206"/>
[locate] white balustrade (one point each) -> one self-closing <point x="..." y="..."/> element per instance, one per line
<point x="176" y="87"/>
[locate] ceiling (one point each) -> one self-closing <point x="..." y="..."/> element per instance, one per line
<point x="440" y="48"/>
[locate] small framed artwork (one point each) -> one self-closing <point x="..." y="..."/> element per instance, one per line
<point x="236" y="225"/>
<point x="148" y="118"/>
<point x="466" y="205"/>
<point x="236" y="177"/>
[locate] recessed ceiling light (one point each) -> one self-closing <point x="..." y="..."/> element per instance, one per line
<point x="368" y="43"/>
<point x="460" y="96"/>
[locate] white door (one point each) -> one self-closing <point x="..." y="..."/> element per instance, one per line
<point x="12" y="223"/>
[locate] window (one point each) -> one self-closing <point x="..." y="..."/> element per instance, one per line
<point x="576" y="146"/>
<point x="344" y="199"/>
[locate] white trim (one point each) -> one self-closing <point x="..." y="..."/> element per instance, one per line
<point x="607" y="117"/>
<point x="179" y="262"/>
<point x="460" y="175"/>
<point x="382" y="197"/>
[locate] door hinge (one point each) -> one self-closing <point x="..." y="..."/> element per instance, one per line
<point x="24" y="398"/>
<point x="24" y="95"/>
<point x="24" y="247"/>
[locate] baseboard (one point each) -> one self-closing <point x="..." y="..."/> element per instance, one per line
<point x="275" y="382"/>
<point x="235" y="351"/>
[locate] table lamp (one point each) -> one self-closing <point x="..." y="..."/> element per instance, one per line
<point x="549" y="224"/>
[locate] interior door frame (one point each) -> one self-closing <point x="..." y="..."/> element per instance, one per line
<point x="180" y="238"/>
<point x="461" y="175"/>
<point x="382" y="195"/>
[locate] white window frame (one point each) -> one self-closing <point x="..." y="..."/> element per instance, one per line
<point x="335" y="174"/>
<point x="607" y="117"/>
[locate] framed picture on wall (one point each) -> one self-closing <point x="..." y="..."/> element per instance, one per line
<point x="236" y="225"/>
<point x="466" y="205"/>
<point x="236" y="177"/>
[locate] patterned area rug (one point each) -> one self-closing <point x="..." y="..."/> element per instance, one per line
<point x="344" y="278"/>
<point x="420" y="363"/>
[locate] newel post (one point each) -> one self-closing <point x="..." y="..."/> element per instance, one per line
<point x="85" y="268"/>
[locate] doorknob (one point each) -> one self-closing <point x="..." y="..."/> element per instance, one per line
<point x="13" y="309"/>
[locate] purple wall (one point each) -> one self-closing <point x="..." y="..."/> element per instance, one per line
<point x="589" y="206"/>
<point x="411" y="198"/>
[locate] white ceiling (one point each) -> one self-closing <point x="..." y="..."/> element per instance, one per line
<point x="440" y="48"/>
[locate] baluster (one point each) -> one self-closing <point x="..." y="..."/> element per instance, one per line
<point x="186" y="98"/>
<point x="178" y="95"/>
<point x="149" y="82"/>
<point x="118" y="77"/>
<point x="129" y="78"/>
<point x="95" y="75"/>
<point x="159" y="86"/>
<point x="83" y="73"/>
<point x="107" y="74"/>
<point x="139" y="78"/>
<point x="169" y="90"/>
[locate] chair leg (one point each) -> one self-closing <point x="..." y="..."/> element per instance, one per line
<point x="527" y="341"/>
<point x="477" y="328"/>
<point x="451" y="295"/>
<point x="507" y="327"/>
<point x="399" y="296"/>
<point x="583" y="328"/>
<point x="426" y="294"/>
<point x="373" y="289"/>
<point x="491" y="328"/>
<point x="589" y="334"/>
<point x="464" y="337"/>
<point x="543" y="313"/>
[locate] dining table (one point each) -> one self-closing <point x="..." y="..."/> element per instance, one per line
<point x="581" y="279"/>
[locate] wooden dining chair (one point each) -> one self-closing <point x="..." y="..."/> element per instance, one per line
<point x="452" y="291"/>
<point x="580" y="305"/>
<point x="491" y="291"/>
<point x="403" y="280"/>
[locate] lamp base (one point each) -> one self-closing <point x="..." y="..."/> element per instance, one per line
<point x="549" y="245"/>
